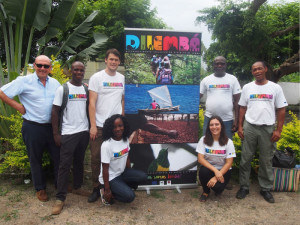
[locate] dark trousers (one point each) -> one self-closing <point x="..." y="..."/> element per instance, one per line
<point x="37" y="138"/>
<point x="121" y="186"/>
<point x="72" y="150"/>
<point x="206" y="174"/>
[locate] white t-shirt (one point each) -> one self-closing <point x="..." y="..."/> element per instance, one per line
<point x="110" y="90"/>
<point x="216" y="154"/>
<point x="261" y="102"/>
<point x="74" y="119"/>
<point x="220" y="91"/>
<point x="115" y="153"/>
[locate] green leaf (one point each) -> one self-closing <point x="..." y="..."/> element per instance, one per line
<point x="41" y="17"/>
<point x="100" y="40"/>
<point x="63" y="16"/>
<point x="51" y="50"/>
<point x="14" y="8"/>
<point x="80" y="33"/>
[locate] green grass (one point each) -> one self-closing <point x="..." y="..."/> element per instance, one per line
<point x="7" y="216"/>
<point x="3" y="191"/>
<point x="158" y="194"/>
<point x="195" y="194"/>
<point x="15" y="197"/>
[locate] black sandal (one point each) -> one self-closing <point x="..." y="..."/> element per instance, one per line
<point x="203" y="197"/>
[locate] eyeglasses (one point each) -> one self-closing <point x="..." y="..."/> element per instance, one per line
<point x="42" y="65"/>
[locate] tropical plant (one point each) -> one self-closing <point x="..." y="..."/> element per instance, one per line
<point x="45" y="22"/>
<point x="40" y="25"/>
<point x="245" y="32"/>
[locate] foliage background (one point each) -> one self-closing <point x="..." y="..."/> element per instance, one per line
<point x="243" y="36"/>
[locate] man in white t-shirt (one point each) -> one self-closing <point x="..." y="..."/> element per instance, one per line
<point x="260" y="101"/>
<point x="223" y="93"/>
<point x="70" y="110"/>
<point x="106" y="97"/>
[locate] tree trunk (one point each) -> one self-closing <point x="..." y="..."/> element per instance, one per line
<point x="291" y="65"/>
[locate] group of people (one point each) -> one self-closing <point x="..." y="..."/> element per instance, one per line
<point x="65" y="119"/>
<point x="259" y="112"/>
<point x="161" y="69"/>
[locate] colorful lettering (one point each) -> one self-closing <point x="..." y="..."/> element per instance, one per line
<point x="261" y="96"/>
<point x="77" y="96"/>
<point x="215" y="152"/>
<point x="170" y="43"/>
<point x="219" y="86"/>
<point x="121" y="153"/>
<point x="132" y="42"/>
<point x="184" y="44"/>
<point x="111" y="84"/>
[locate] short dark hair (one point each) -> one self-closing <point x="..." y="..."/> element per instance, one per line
<point x="113" y="51"/>
<point x="77" y="62"/>
<point x="262" y="62"/>
<point x="208" y="139"/>
<point x="109" y="126"/>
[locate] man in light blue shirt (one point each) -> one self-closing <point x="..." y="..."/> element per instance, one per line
<point x="36" y="93"/>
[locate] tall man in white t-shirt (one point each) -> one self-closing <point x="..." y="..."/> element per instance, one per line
<point x="223" y="93"/>
<point x="70" y="110"/>
<point x="106" y="97"/>
<point x="260" y="101"/>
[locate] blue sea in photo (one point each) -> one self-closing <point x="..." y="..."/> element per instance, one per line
<point x="137" y="97"/>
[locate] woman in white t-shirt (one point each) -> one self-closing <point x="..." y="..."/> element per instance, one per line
<point x="215" y="154"/>
<point x="116" y="177"/>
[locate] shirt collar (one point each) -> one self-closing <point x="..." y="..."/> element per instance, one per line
<point x="36" y="76"/>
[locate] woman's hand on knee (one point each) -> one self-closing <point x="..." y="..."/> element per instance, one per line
<point x="219" y="176"/>
<point x="211" y="183"/>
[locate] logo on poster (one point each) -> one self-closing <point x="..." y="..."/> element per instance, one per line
<point x="160" y="43"/>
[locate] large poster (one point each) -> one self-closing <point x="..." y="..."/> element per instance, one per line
<point x="162" y="103"/>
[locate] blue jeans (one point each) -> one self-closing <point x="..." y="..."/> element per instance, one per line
<point x="121" y="186"/>
<point x="228" y="126"/>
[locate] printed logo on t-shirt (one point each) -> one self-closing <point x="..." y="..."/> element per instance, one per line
<point x="219" y="86"/>
<point x="260" y="97"/>
<point x="215" y="152"/>
<point x="121" y="153"/>
<point x="77" y="97"/>
<point x="112" y="85"/>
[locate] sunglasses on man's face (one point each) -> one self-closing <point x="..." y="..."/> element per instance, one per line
<point x="42" y="65"/>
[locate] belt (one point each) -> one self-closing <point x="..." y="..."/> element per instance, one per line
<point x="38" y="124"/>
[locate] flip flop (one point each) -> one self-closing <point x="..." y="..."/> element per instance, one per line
<point x="203" y="197"/>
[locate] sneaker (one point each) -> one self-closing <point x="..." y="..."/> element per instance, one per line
<point x="95" y="195"/>
<point x="242" y="193"/>
<point x="81" y="192"/>
<point x="58" y="206"/>
<point x="267" y="196"/>
<point x="42" y="195"/>
<point x="102" y="197"/>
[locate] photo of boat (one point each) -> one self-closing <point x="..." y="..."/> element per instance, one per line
<point x="162" y="97"/>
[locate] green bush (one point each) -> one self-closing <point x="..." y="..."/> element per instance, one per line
<point x="201" y="122"/>
<point x="290" y="136"/>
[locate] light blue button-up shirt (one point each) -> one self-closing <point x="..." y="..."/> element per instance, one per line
<point x="36" y="98"/>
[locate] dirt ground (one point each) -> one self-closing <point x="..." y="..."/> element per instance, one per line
<point x="18" y="205"/>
